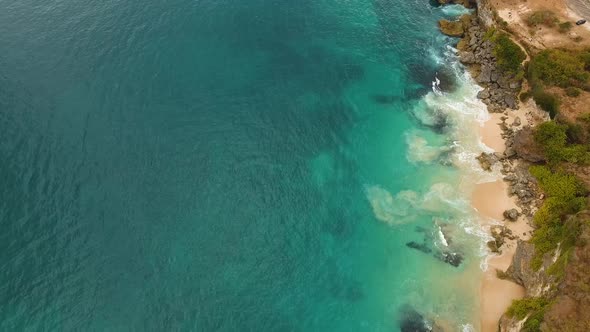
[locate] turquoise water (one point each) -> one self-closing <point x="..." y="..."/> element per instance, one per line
<point x="231" y="166"/>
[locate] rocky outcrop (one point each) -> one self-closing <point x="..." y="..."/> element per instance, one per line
<point x="525" y="146"/>
<point x="456" y="28"/>
<point x="474" y="50"/>
<point x="536" y="282"/>
<point x="487" y="160"/>
<point x="451" y="28"/>
<point x="499" y="235"/>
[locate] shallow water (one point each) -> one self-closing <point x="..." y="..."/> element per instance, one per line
<point x="225" y="166"/>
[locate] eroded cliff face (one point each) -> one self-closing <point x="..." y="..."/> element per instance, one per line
<point x="485" y="12"/>
<point x="538" y="282"/>
<point x="570" y="310"/>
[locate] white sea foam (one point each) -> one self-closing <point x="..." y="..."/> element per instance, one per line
<point x="455" y="10"/>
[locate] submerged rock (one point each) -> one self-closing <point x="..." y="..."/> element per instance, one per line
<point x="422" y="247"/>
<point x="385" y="99"/>
<point x="412" y="321"/>
<point x="452" y="258"/>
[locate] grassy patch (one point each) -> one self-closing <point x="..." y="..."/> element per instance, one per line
<point x="565" y="196"/>
<point x="553" y="138"/>
<point x="508" y="54"/>
<point x="542" y="17"/>
<point x="565" y="27"/>
<point x="571" y="91"/>
<point x="559" y="68"/>
<point x="519" y="309"/>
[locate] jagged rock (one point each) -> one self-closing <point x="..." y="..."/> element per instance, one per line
<point x="494" y="76"/>
<point x="510" y="101"/>
<point x="486" y="160"/>
<point x="511" y="214"/>
<point x="463" y="45"/>
<point x="467" y="57"/>
<point x="451" y="28"/>
<point x="493" y="246"/>
<point x="516" y="122"/>
<point x="510" y="152"/>
<point x="483" y="94"/>
<point x="526" y="147"/>
<point x="485" y="75"/>
<point x="510" y="177"/>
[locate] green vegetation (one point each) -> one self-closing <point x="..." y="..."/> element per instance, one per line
<point x="565" y="27"/>
<point x="524" y="96"/>
<point x="572" y="91"/>
<point x="585" y="118"/>
<point x="565" y="196"/>
<point x="553" y="138"/>
<point x="542" y="17"/>
<point x="547" y="101"/>
<point x="533" y="307"/>
<point x="557" y="67"/>
<point x="508" y="54"/>
<point x="565" y="69"/>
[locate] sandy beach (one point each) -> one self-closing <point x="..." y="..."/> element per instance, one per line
<point x="491" y="200"/>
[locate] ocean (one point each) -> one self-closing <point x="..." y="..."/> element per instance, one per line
<point x="198" y="165"/>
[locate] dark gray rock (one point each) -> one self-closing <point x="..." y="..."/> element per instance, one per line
<point x="511" y="214"/>
<point x="483" y="94"/>
<point x="485" y="75"/>
<point x="510" y="101"/>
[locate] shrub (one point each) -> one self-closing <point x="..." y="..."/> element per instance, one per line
<point x="565" y="27"/>
<point x="572" y="92"/>
<point x="548" y="102"/>
<point x="575" y="133"/>
<point x="524" y="96"/>
<point x="508" y="54"/>
<point x="557" y="67"/>
<point x="565" y="195"/>
<point x="542" y="17"/>
<point x="521" y="308"/>
<point x="585" y="118"/>
<point x="552" y="137"/>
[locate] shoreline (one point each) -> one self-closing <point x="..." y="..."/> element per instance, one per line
<point x="490" y="200"/>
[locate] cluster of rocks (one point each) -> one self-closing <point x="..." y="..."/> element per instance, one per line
<point x="515" y="170"/>
<point x="499" y="233"/>
<point x="500" y="89"/>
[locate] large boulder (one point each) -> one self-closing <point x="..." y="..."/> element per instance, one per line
<point x="451" y="28"/>
<point x="467" y="57"/>
<point x="485" y="75"/>
<point x="525" y="146"/>
<point x="511" y="214"/>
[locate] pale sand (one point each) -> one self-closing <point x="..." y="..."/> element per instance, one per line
<point x="491" y="200"/>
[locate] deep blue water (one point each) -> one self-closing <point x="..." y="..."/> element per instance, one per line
<point x="207" y="165"/>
